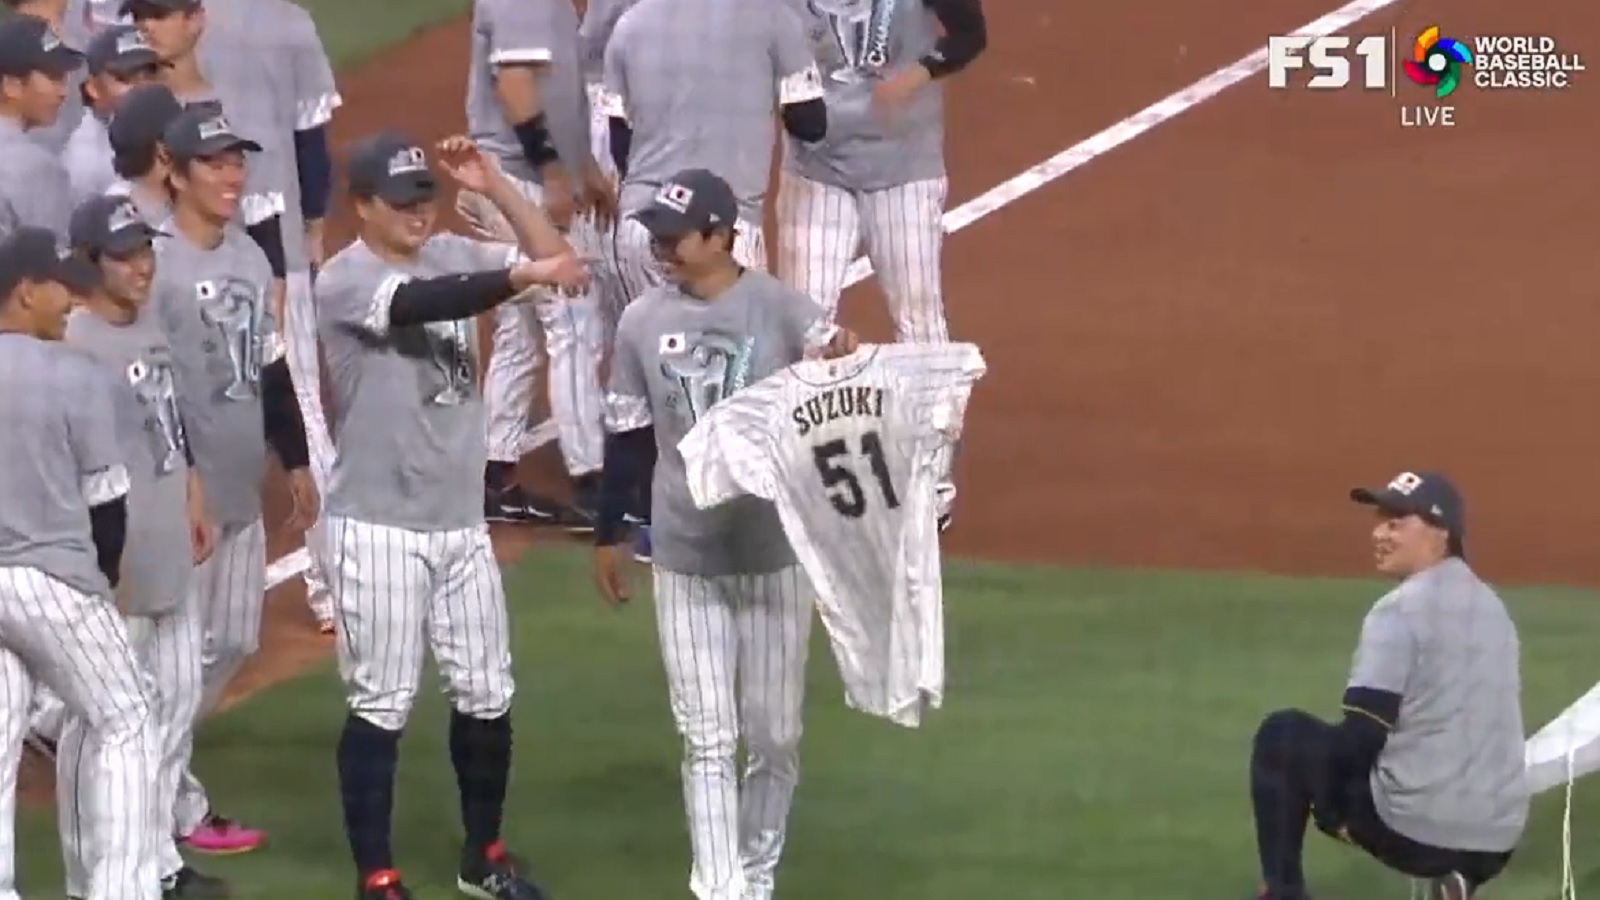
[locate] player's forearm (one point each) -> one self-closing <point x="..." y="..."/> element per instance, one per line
<point x="280" y="411"/>
<point x="315" y="167"/>
<point x="966" y="35"/>
<point x="620" y="135"/>
<point x="108" y="528"/>
<point x="630" y="455"/>
<point x="521" y="101"/>
<point x="449" y="298"/>
<point x="536" y="235"/>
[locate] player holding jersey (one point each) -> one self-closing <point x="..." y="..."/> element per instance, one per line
<point x="693" y="83"/>
<point x="733" y="609"/>
<point x="212" y="294"/>
<point x="169" y="531"/>
<point x="410" y="562"/>
<point x="879" y="177"/>
<point x="852" y="452"/>
<point x="63" y="524"/>
<point x="117" y="60"/>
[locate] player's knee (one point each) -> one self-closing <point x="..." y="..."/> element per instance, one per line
<point x="708" y="738"/>
<point x="483" y="702"/>
<point x="773" y="740"/>
<point x="389" y="709"/>
<point x="390" y="721"/>
<point x="129" y="720"/>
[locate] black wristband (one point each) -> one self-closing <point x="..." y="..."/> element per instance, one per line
<point x="534" y="136"/>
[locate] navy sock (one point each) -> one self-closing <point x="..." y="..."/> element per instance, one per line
<point x="480" y="750"/>
<point x="497" y="476"/>
<point x="368" y="756"/>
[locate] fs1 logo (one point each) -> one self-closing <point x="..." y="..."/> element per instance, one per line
<point x="1328" y="57"/>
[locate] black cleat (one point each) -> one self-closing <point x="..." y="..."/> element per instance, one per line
<point x="495" y="876"/>
<point x="383" y="885"/>
<point x="188" y="884"/>
<point x="515" y="505"/>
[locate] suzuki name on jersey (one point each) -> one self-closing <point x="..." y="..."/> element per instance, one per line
<point x="838" y="403"/>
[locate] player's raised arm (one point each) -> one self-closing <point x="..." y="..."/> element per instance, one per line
<point x="521" y="40"/>
<point x="799" y="81"/>
<point x="537" y="236"/>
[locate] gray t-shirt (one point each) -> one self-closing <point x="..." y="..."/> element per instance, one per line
<point x="156" y="561"/>
<point x="87" y="158"/>
<point x="61" y="440"/>
<point x="675" y="357"/>
<point x="866" y="150"/>
<point x="408" y="417"/>
<point x="215" y="307"/>
<point x="79" y="23"/>
<point x="699" y="81"/>
<point x="32" y="180"/>
<point x="1452" y="773"/>
<point x="599" y="21"/>
<point x="528" y="31"/>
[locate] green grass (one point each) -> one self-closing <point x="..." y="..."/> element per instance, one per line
<point x="353" y="30"/>
<point x="1093" y="745"/>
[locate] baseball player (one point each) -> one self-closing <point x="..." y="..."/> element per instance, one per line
<point x="594" y="32"/>
<point x="410" y="558"/>
<point x="168" y="528"/>
<point x="263" y="62"/>
<point x="671" y="110"/>
<point x="34" y="65"/>
<point x="1425" y="770"/>
<point x="527" y="106"/>
<point x="62" y="529"/>
<point x="117" y="59"/>
<point x="212" y="295"/>
<point x="138" y="121"/>
<point x="852" y="452"/>
<point x="879" y="177"/>
<point x="75" y="22"/>
<point x="733" y="608"/>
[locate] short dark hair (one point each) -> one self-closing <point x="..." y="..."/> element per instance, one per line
<point x="134" y="162"/>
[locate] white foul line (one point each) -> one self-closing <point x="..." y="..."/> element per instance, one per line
<point x="1037" y="176"/>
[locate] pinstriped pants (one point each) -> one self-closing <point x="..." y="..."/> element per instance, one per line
<point x="821" y="226"/>
<point x="734" y="648"/>
<point x="78" y="646"/>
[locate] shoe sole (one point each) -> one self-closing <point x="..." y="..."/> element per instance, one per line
<point x="468" y="889"/>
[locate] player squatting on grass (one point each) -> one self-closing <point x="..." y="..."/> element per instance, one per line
<point x="1426" y="771"/>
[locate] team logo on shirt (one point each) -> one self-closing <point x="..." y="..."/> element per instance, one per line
<point x="450" y="352"/>
<point x="860" y="32"/>
<point x="150" y="377"/>
<point x="706" y="368"/>
<point x="235" y="310"/>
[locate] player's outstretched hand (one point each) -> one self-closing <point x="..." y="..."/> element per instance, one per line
<point x="566" y="271"/>
<point x="599" y="196"/>
<point x="844" y="343"/>
<point x="202" y="531"/>
<point x="608" y="576"/>
<point x="464" y="164"/>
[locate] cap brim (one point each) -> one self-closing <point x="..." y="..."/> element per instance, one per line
<point x="77" y="275"/>
<point x="665" y="224"/>
<point x="223" y="143"/>
<point x="129" y="239"/>
<point x="407" y="190"/>
<point x="132" y="63"/>
<point x="1393" y="502"/>
<point x="61" y="61"/>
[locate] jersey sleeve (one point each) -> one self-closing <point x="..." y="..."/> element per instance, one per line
<point x="614" y="86"/>
<point x="520" y="32"/>
<point x="1386" y="652"/>
<point x="940" y="378"/>
<point x="316" y="92"/>
<point x="92" y="432"/>
<point x="794" y="65"/>
<point x="728" y="452"/>
<point x="806" y="325"/>
<point x="627" y="400"/>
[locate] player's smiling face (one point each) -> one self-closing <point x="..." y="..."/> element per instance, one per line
<point x="37" y="96"/>
<point x="403" y="229"/>
<point x="1404" y="544"/>
<point x="126" y="277"/>
<point x="212" y="185"/>
<point x="45" y="305"/>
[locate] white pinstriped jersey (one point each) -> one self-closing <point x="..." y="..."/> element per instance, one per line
<point x="850" y="453"/>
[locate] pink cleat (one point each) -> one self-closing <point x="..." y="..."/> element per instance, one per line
<point x="222" y="836"/>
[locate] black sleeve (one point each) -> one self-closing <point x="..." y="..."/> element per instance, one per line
<point x="1369" y="716"/>
<point x="108" y="528"/>
<point x="966" y="34"/>
<point x="268" y="233"/>
<point x="448" y="298"/>
<point x="315" y="168"/>
<point x="280" y="413"/>
<point x="807" y="121"/>
<point x="621" y="141"/>
<point x="630" y="456"/>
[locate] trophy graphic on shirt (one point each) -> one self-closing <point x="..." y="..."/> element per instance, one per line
<point x="452" y="357"/>
<point x="232" y="307"/>
<point x="861" y="35"/>
<point x="152" y="383"/>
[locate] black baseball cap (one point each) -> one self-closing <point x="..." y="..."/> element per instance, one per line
<point x="694" y="200"/>
<point x="120" y="50"/>
<point x="140" y="117"/>
<point x="156" y="8"/>
<point x="32" y="254"/>
<point x="202" y="130"/>
<point x="1428" y="495"/>
<point x="28" y="45"/>
<point x="391" y="167"/>
<point x="111" y="225"/>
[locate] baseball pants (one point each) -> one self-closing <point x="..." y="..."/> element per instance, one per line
<point x="78" y="646"/>
<point x="574" y="340"/>
<point x="168" y="647"/>
<point x="638" y="270"/>
<point x="821" y="226"/>
<point x="734" y="648"/>
<point x="399" y="594"/>
<point x="300" y="344"/>
<point x="606" y="281"/>
<point x="229" y="593"/>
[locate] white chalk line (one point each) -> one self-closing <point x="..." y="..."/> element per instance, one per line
<point x="1068" y="160"/>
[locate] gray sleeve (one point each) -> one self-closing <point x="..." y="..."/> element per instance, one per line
<point x="1387" y="651"/>
<point x="614" y="97"/>
<point x="92" y="424"/>
<point x="627" y="401"/>
<point x="794" y="68"/>
<point x="316" y="92"/>
<point x="520" y="32"/>
<point x="464" y="254"/>
<point x="805" y="322"/>
<point x="594" y="33"/>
